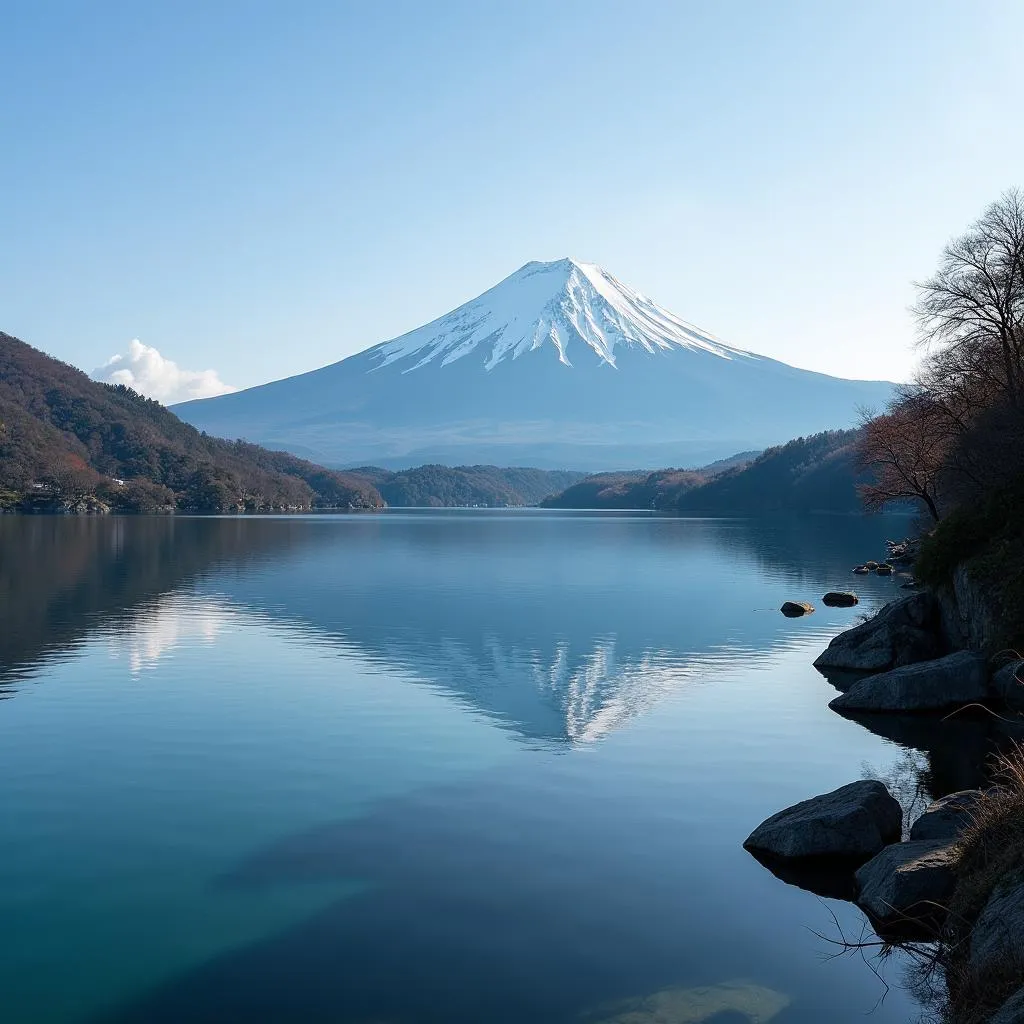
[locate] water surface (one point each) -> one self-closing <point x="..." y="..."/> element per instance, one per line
<point x="438" y="767"/>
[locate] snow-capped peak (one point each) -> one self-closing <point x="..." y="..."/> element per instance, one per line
<point x="566" y="304"/>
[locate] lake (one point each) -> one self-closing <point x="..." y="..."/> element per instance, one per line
<point x="449" y="767"/>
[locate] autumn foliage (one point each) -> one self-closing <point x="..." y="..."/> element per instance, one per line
<point x="64" y="437"/>
<point x="957" y="432"/>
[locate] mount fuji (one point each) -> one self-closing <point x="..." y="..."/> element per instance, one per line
<point x="558" y="365"/>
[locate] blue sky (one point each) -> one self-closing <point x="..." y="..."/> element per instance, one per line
<point x="262" y="188"/>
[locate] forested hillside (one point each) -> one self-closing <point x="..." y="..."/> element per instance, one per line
<point x="69" y="442"/>
<point x="636" y="489"/>
<point x="809" y="474"/>
<point x="436" y="486"/>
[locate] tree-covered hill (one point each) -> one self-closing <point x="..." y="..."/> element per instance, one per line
<point x="662" y="489"/>
<point x="634" y="489"/>
<point x="808" y="474"/>
<point x="67" y="441"/>
<point x="436" y="486"/>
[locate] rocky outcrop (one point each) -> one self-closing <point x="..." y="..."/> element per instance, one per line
<point x="952" y="681"/>
<point x="794" y="609"/>
<point x="903" y="632"/>
<point x="905" y="889"/>
<point x="998" y="933"/>
<point x="945" y="819"/>
<point x="853" y="821"/>
<point x="840" y="599"/>
<point x="967" y="616"/>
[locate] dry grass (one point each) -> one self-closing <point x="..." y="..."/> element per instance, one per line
<point x="992" y="846"/>
<point x="991" y="854"/>
<point x="974" y="996"/>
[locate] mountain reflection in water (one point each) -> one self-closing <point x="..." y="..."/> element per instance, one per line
<point x="504" y="610"/>
<point x="428" y="768"/>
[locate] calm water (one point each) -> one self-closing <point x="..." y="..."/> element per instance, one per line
<point x="450" y="768"/>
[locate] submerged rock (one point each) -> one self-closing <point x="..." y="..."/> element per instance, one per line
<point x="905" y="889"/>
<point x="952" y="681"/>
<point x="903" y="632"/>
<point x="711" y="1004"/>
<point x="853" y="821"/>
<point x="840" y="599"/>
<point x="794" y="609"/>
<point x="945" y="819"/>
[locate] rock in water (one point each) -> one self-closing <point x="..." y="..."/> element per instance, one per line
<point x="853" y="821"/>
<point x="952" y="681"/>
<point x="794" y="609"/>
<point x="840" y="599"/>
<point x="946" y="819"/>
<point x="905" y="889"/>
<point x="884" y="570"/>
<point x="902" y="633"/>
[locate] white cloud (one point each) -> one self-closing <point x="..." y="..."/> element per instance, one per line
<point x="151" y="374"/>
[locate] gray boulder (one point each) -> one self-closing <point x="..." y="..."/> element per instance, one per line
<point x="905" y="889"/>
<point x="840" y="599"/>
<point x="1008" y="685"/>
<point x="952" y="681"/>
<point x="945" y="819"/>
<point x="853" y="821"/>
<point x="903" y="632"/>
<point x="999" y="931"/>
<point x="1012" y="1011"/>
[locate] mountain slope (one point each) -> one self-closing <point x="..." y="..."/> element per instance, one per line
<point x="566" y="306"/>
<point x="462" y="486"/>
<point x="65" y="438"/>
<point x="641" y="489"/>
<point x="559" y="365"/>
<point x="807" y="474"/>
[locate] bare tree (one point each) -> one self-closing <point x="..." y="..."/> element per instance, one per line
<point x="971" y="312"/>
<point x="905" y="449"/>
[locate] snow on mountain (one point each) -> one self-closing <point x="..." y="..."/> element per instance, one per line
<point x="562" y="304"/>
<point x="559" y="365"/>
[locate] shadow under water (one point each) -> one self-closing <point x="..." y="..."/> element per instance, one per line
<point x="484" y="850"/>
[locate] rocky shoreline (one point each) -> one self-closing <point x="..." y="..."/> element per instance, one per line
<point x="954" y="879"/>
